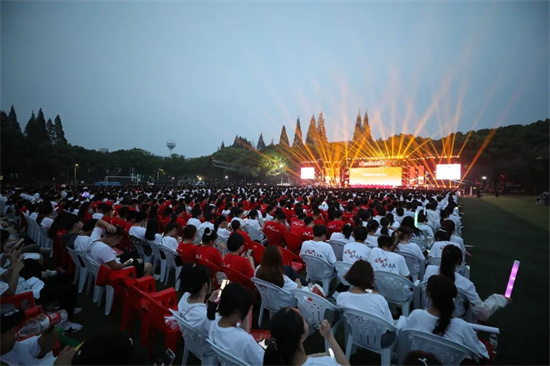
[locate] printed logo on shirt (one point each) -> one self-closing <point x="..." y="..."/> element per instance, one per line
<point x="312" y="253"/>
<point x="383" y="262"/>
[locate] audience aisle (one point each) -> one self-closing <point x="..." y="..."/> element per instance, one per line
<point x="500" y="237"/>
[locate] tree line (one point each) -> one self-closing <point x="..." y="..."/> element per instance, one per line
<point x="40" y="153"/>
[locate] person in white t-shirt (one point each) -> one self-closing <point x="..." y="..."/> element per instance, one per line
<point x="286" y="345"/>
<point x="271" y="270"/>
<point x="36" y="350"/>
<point x="196" y="283"/>
<point x="230" y="332"/>
<point x="361" y="295"/>
<point x="403" y="243"/>
<point x="91" y="230"/>
<point x="317" y="247"/>
<point x="170" y="236"/>
<point x="196" y="214"/>
<point x="383" y="258"/>
<point x="358" y="249"/>
<point x="438" y="319"/>
<point x="345" y="235"/>
<point x="441" y="241"/>
<point x="138" y="229"/>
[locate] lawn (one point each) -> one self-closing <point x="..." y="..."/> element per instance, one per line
<point x="502" y="230"/>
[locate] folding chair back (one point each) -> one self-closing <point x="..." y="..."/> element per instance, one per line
<point x="338" y="248"/>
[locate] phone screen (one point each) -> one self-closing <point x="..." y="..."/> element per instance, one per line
<point x="222" y="286"/>
<point x="167" y="357"/>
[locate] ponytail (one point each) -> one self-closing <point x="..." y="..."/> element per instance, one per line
<point x="287" y="328"/>
<point x="442" y="293"/>
<point x="450" y="258"/>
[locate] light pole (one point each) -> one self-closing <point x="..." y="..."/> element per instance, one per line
<point x="75" y="167"/>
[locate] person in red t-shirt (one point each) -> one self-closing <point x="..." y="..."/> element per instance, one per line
<point x="237" y="229"/>
<point x="237" y="258"/>
<point x="207" y="251"/>
<point x="336" y="225"/>
<point x="317" y="217"/>
<point x="187" y="249"/>
<point x="307" y="232"/>
<point x="275" y="229"/>
<point x="297" y="222"/>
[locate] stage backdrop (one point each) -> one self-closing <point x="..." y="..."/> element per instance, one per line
<point x="384" y="176"/>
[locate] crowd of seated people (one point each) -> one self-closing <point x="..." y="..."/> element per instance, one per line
<point x="207" y="228"/>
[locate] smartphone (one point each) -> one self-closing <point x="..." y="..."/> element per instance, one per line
<point x="167" y="358"/>
<point x="262" y="344"/>
<point x="222" y="286"/>
<point x="249" y="252"/>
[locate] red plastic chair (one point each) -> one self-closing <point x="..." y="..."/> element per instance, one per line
<point x="155" y="307"/>
<point x="293" y="242"/>
<point x="236" y="276"/>
<point x="213" y="269"/>
<point x="291" y="259"/>
<point x="115" y="283"/>
<point x="257" y="252"/>
<point x="131" y="303"/>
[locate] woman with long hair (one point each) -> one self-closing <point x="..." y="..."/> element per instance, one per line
<point x="286" y="345"/>
<point x="271" y="270"/>
<point x="438" y="319"/>
<point x="227" y="332"/>
<point x="403" y="242"/>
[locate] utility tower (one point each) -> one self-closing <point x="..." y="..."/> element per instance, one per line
<point x="171" y="145"/>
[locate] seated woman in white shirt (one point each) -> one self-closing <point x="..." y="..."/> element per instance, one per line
<point x="382" y="258"/>
<point x="170" y="236"/>
<point x="253" y="220"/>
<point x="229" y="331"/>
<point x="403" y="243"/>
<point x="345" y="235"/>
<point x="196" y="283"/>
<point x="221" y="227"/>
<point x="271" y="270"/>
<point x="151" y="231"/>
<point x="361" y="295"/>
<point x="286" y="345"/>
<point x="451" y="260"/>
<point x="438" y="319"/>
<point x="441" y="238"/>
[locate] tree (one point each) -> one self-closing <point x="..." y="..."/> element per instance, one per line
<point x="36" y="129"/>
<point x="283" y="140"/>
<point x="51" y="131"/>
<point x="58" y="132"/>
<point x="261" y="143"/>
<point x="367" y="135"/>
<point x="222" y="146"/>
<point x="298" y="139"/>
<point x="321" y="131"/>
<point x="358" y="131"/>
<point x="312" y="133"/>
<point x="12" y="121"/>
<point x="30" y="128"/>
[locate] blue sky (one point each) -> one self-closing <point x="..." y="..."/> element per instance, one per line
<point x="136" y="74"/>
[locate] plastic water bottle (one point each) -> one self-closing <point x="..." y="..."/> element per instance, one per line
<point x="36" y="326"/>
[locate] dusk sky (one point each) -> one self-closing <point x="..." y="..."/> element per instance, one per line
<point x="136" y="74"/>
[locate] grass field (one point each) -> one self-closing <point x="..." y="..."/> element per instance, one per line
<point x="501" y="229"/>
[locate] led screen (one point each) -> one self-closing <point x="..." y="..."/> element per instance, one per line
<point x="375" y="176"/>
<point x="308" y="173"/>
<point x="447" y="171"/>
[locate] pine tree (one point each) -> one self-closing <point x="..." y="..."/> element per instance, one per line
<point x="40" y="126"/>
<point x="283" y="140"/>
<point x="322" y="132"/>
<point x="367" y="135"/>
<point x="3" y="121"/>
<point x="312" y="134"/>
<point x="12" y="121"/>
<point x="272" y="143"/>
<point x="298" y="139"/>
<point x="58" y="131"/>
<point x="51" y="131"/>
<point x="222" y="146"/>
<point x="261" y="143"/>
<point x="30" y="128"/>
<point x="358" y="131"/>
<point x="236" y="142"/>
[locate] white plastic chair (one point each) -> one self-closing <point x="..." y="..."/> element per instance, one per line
<point x="463" y="310"/>
<point x="81" y="272"/>
<point x="195" y="343"/>
<point x="255" y="234"/>
<point x="365" y="330"/>
<point x="338" y="248"/>
<point x="140" y="246"/>
<point x="93" y="269"/>
<point x="273" y="298"/>
<point x="314" y="310"/>
<point x="421" y="242"/>
<point x="342" y="268"/>
<point x="198" y="238"/>
<point x="156" y="258"/>
<point x="416" y="266"/>
<point x="159" y="258"/>
<point x="446" y="351"/>
<point x="171" y="256"/>
<point x="225" y="357"/>
<point x="319" y="270"/>
<point x="397" y="289"/>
